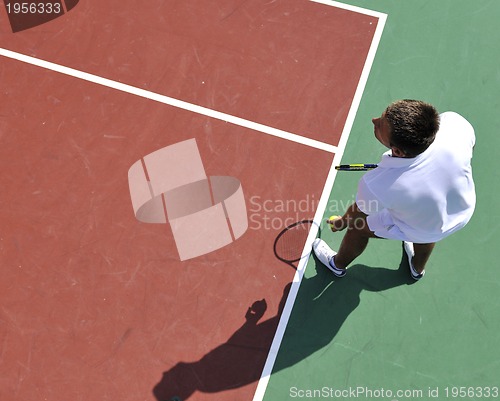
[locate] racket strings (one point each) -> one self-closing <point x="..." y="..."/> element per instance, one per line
<point x="290" y="243"/>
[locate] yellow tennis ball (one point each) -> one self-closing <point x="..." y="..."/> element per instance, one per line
<point x="334" y="217"/>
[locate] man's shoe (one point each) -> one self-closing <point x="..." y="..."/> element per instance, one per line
<point x="325" y="255"/>
<point x="408" y="246"/>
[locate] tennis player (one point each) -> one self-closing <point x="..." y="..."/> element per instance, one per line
<point x="421" y="192"/>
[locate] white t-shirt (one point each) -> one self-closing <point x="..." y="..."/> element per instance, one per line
<point x="425" y="198"/>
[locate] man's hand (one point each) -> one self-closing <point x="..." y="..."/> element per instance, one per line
<point x="337" y="224"/>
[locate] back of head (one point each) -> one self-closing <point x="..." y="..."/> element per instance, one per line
<point x="414" y="125"/>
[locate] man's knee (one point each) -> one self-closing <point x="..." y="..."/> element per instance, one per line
<point x="359" y="224"/>
<point x="423" y="249"/>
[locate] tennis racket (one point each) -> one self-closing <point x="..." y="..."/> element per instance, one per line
<point x="289" y="244"/>
<point x="356" y="167"/>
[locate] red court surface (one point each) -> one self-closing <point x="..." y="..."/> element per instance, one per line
<point x="96" y="305"/>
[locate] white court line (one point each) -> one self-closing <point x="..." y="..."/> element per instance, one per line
<point x="168" y="100"/>
<point x="287" y="310"/>
<point x="349" y="7"/>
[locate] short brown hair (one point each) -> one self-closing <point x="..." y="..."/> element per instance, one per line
<point x="414" y="125"/>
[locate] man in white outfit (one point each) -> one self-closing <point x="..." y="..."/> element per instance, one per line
<point x="421" y="192"/>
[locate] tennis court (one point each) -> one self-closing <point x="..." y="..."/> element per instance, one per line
<point x="98" y="304"/>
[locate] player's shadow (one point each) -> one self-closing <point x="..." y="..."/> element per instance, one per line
<point x="233" y="364"/>
<point x="323" y="305"/>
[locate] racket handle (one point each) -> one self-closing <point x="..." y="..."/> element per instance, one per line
<point x="356" y="167"/>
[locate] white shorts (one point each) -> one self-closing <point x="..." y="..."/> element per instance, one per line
<point x="383" y="226"/>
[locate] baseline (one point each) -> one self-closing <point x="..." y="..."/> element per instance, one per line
<point x="168" y="100"/>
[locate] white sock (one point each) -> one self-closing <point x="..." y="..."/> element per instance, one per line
<point x="332" y="264"/>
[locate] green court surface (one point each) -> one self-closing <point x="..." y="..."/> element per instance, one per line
<point x="374" y="335"/>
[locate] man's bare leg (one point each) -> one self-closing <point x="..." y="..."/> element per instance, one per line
<point x="422" y="254"/>
<point x="356" y="237"/>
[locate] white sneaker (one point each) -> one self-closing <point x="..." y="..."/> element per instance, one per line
<point x="325" y="255"/>
<point x="410" y="252"/>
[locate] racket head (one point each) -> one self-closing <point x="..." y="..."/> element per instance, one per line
<point x="289" y="244"/>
